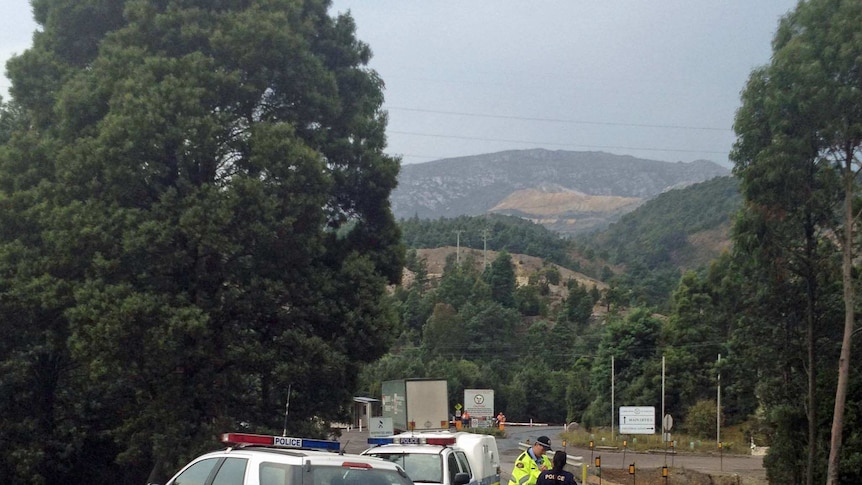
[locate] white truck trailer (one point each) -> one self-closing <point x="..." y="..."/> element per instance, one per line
<point x="416" y="404"/>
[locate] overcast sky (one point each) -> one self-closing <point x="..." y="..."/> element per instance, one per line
<point x="653" y="79"/>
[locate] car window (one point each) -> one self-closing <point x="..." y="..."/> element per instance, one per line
<point x="198" y="473"/>
<point x="465" y="464"/>
<point x="453" y="467"/>
<point x="420" y="467"/>
<point x="231" y="472"/>
<point x="277" y="473"/>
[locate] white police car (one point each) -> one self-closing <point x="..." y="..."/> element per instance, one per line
<point x="441" y="457"/>
<point x="253" y="459"/>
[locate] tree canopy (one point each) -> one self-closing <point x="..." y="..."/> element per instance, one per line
<point x="797" y="155"/>
<point x="194" y="199"/>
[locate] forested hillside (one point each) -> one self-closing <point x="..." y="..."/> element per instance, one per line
<point x="676" y="231"/>
<point x="549" y="341"/>
<point x="658" y="232"/>
<point x="496" y="232"/>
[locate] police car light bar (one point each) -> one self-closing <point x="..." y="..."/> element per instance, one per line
<point x="380" y="441"/>
<point x="279" y="441"/>
<point x="412" y="440"/>
<point x="440" y="441"/>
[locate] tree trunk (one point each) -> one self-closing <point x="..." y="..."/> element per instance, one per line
<point x="812" y="357"/>
<point x="849" y="296"/>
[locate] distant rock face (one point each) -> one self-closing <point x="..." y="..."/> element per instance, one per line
<point x="566" y="191"/>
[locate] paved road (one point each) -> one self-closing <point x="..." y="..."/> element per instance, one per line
<point x="355" y="441"/>
<point x="744" y="465"/>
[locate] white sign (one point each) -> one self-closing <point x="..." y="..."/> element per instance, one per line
<point x="379" y="427"/>
<point x="479" y="403"/>
<point x="637" y="419"/>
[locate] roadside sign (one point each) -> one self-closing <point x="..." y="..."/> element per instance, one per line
<point x="667" y="422"/>
<point x="379" y="427"/>
<point x="637" y="419"/>
<point x="479" y="403"/>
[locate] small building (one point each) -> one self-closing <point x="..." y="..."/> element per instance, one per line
<point x="364" y="408"/>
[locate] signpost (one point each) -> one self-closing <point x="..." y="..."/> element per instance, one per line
<point x="637" y="419"/>
<point x="480" y="404"/>
<point x="667" y="424"/>
<point x="379" y="427"/>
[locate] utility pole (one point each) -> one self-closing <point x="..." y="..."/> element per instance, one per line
<point x="718" y="406"/>
<point x="663" y="430"/>
<point x="484" y="249"/>
<point x="286" y="410"/>
<point x="458" y="251"/>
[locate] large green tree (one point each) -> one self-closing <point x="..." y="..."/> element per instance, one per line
<point x="628" y="357"/>
<point x="692" y="339"/>
<point x="196" y="220"/>
<point x="500" y="276"/>
<point x="802" y="117"/>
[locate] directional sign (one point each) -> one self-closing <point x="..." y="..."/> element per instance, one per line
<point x="637" y="419"/>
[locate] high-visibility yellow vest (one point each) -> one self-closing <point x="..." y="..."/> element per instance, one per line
<point x="526" y="472"/>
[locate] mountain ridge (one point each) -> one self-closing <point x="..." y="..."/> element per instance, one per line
<point x="527" y="182"/>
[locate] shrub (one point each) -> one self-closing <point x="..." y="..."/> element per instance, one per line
<point x="700" y="419"/>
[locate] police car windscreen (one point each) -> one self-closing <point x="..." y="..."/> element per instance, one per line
<point x="280" y="474"/>
<point x="420" y="467"/>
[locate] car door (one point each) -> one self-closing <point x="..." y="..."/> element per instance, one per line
<point x="464" y="463"/>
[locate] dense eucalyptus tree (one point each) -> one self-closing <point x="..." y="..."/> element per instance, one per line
<point x="195" y="220"/>
<point x="800" y="135"/>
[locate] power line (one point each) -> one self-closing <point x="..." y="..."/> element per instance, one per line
<point x="543" y="143"/>
<point x="555" y="120"/>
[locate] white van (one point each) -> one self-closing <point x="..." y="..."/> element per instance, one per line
<point x="442" y="457"/>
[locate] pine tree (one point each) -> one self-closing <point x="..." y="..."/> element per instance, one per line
<point x="196" y="211"/>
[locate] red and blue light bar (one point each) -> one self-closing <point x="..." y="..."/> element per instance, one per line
<point x="412" y="440"/>
<point x="279" y="441"/>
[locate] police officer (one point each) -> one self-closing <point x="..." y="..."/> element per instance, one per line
<point x="558" y="475"/>
<point x="531" y="463"/>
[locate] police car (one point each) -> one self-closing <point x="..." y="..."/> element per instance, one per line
<point x="442" y="457"/>
<point x="252" y="459"/>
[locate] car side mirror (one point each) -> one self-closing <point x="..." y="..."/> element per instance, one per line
<point x="461" y="478"/>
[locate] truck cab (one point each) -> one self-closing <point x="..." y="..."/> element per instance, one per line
<point x="442" y="457"/>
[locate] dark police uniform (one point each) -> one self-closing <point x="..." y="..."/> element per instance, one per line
<point x="552" y="477"/>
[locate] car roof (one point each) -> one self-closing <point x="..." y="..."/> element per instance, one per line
<point x="299" y="456"/>
<point x="419" y="449"/>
